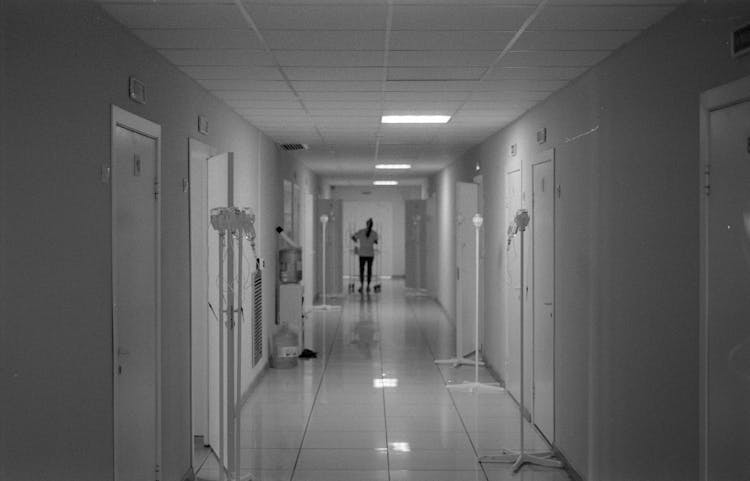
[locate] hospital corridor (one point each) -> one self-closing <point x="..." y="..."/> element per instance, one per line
<point x="374" y="240"/>
<point x="374" y="405"/>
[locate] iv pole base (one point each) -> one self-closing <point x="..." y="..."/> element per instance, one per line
<point x="539" y="458"/>
<point x="459" y="361"/>
<point x="475" y="387"/>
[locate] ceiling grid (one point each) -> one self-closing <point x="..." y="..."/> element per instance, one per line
<point x="323" y="72"/>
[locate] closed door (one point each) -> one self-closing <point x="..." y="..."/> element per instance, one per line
<point x="136" y="303"/>
<point x="542" y="252"/>
<point x="727" y="336"/>
<point x="512" y="276"/>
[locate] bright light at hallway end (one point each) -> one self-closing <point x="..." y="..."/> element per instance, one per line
<point x="393" y="166"/>
<point x="415" y="119"/>
<point x="385" y="182"/>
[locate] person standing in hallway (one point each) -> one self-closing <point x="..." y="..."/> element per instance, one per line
<point x="367" y="238"/>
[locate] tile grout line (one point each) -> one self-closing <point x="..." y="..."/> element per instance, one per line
<point x="382" y="393"/>
<point x="445" y="384"/>
<point x="317" y="391"/>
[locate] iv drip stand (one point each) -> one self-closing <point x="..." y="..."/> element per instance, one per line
<point x="476" y="385"/>
<point x="324" y="306"/>
<point x="521" y="457"/>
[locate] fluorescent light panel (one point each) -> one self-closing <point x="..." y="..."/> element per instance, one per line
<point x="393" y="166"/>
<point x="415" y="119"/>
<point x="385" y="182"/>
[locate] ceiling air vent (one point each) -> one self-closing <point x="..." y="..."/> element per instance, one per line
<point x="294" y="146"/>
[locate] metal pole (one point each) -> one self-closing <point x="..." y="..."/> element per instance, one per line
<point x="222" y="239"/>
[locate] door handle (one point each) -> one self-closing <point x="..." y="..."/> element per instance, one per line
<point x="122" y="352"/>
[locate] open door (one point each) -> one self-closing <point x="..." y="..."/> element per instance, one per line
<point x="214" y="384"/>
<point x="466" y="306"/>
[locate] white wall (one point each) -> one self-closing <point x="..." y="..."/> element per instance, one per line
<point x="626" y="140"/>
<point x="67" y="62"/>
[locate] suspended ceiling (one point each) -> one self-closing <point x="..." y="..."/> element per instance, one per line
<point x="322" y="72"/>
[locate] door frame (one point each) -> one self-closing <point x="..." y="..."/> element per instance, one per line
<point x="718" y="98"/>
<point x="541" y="158"/>
<point x="134" y="123"/>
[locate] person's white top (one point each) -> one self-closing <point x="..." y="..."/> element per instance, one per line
<point x="366" y="243"/>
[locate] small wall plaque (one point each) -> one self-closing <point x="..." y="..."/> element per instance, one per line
<point x="741" y="41"/>
<point x="137" y="90"/>
<point x="541" y="135"/>
<point x="203" y="125"/>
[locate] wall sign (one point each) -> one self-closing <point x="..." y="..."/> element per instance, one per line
<point x="137" y="90"/>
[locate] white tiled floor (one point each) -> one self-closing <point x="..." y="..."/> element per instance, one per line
<point x="326" y="421"/>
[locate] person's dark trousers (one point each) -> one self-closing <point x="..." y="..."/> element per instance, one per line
<point x="365" y="260"/>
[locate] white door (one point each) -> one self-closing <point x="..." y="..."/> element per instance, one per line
<point x="480" y="209"/>
<point x="308" y="255"/>
<point x="727" y="336"/>
<point x="512" y="266"/>
<point x="200" y="314"/>
<point x="218" y="194"/>
<point x="542" y="258"/>
<point x="136" y="306"/>
<point x="466" y="305"/>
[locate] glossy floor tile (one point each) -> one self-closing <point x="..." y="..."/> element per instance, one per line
<point x="373" y="406"/>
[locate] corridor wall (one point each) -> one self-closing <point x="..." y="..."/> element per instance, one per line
<point x="64" y="64"/>
<point x="626" y="138"/>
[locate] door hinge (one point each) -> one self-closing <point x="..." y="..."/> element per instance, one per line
<point x="707" y="180"/>
<point x="156" y="189"/>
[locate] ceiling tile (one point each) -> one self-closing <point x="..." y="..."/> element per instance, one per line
<point x="280" y="105"/>
<point x="341" y="96"/>
<point x="459" y="17"/>
<point x="167" y="15"/>
<point x="553" y="58"/>
<point x="232" y="72"/>
<point x="574" y="40"/>
<point x="599" y="17"/>
<point x="537" y="73"/>
<point x="522" y="85"/>
<point x="339" y="106"/>
<point x="325" y="39"/>
<point x="212" y="84"/>
<point x="318" y="17"/>
<point x="334" y="73"/>
<point x="435" y="73"/>
<point x="218" y="57"/>
<point x="441" y="58"/>
<point x="313" y="86"/>
<point x="231" y="96"/>
<point x="200" y="38"/>
<point x="330" y="58"/>
<point x="492" y="40"/>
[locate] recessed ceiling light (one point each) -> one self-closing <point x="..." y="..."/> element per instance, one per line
<point x="415" y="119"/>
<point x="393" y="166"/>
<point x="385" y="182"/>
